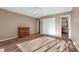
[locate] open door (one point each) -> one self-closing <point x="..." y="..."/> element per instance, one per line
<point x="65" y="26"/>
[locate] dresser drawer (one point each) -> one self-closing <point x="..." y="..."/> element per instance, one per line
<point x="23" y="32"/>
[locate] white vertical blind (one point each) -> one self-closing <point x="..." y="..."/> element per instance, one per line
<point x="49" y="26"/>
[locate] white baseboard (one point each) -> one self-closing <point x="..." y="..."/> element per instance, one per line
<point x="75" y="45"/>
<point x="8" y="39"/>
<point x="33" y="33"/>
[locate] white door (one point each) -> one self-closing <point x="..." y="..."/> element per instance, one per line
<point x="49" y="26"/>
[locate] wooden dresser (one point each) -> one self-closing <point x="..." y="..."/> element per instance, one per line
<point x="23" y="32"/>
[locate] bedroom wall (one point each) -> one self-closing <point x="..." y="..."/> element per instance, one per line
<point x="57" y="22"/>
<point x="9" y="22"/>
<point x="75" y="26"/>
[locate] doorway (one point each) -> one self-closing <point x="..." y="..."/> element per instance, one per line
<point x="38" y="26"/>
<point x="65" y="26"/>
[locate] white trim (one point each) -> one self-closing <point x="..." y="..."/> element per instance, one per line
<point x="69" y="25"/>
<point x="75" y="45"/>
<point x="7" y="39"/>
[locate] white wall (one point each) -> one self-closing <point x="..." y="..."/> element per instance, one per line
<point x="75" y="26"/>
<point x="38" y="25"/>
<point x="9" y="23"/>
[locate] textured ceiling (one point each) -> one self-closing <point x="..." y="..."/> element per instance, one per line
<point x="41" y="11"/>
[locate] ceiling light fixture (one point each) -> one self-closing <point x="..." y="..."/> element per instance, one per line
<point x="35" y="12"/>
<point x="36" y="9"/>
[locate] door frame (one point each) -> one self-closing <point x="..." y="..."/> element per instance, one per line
<point x="69" y="25"/>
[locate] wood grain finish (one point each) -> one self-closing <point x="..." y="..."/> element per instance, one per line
<point x="47" y="44"/>
<point x="23" y="32"/>
<point x="11" y="46"/>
